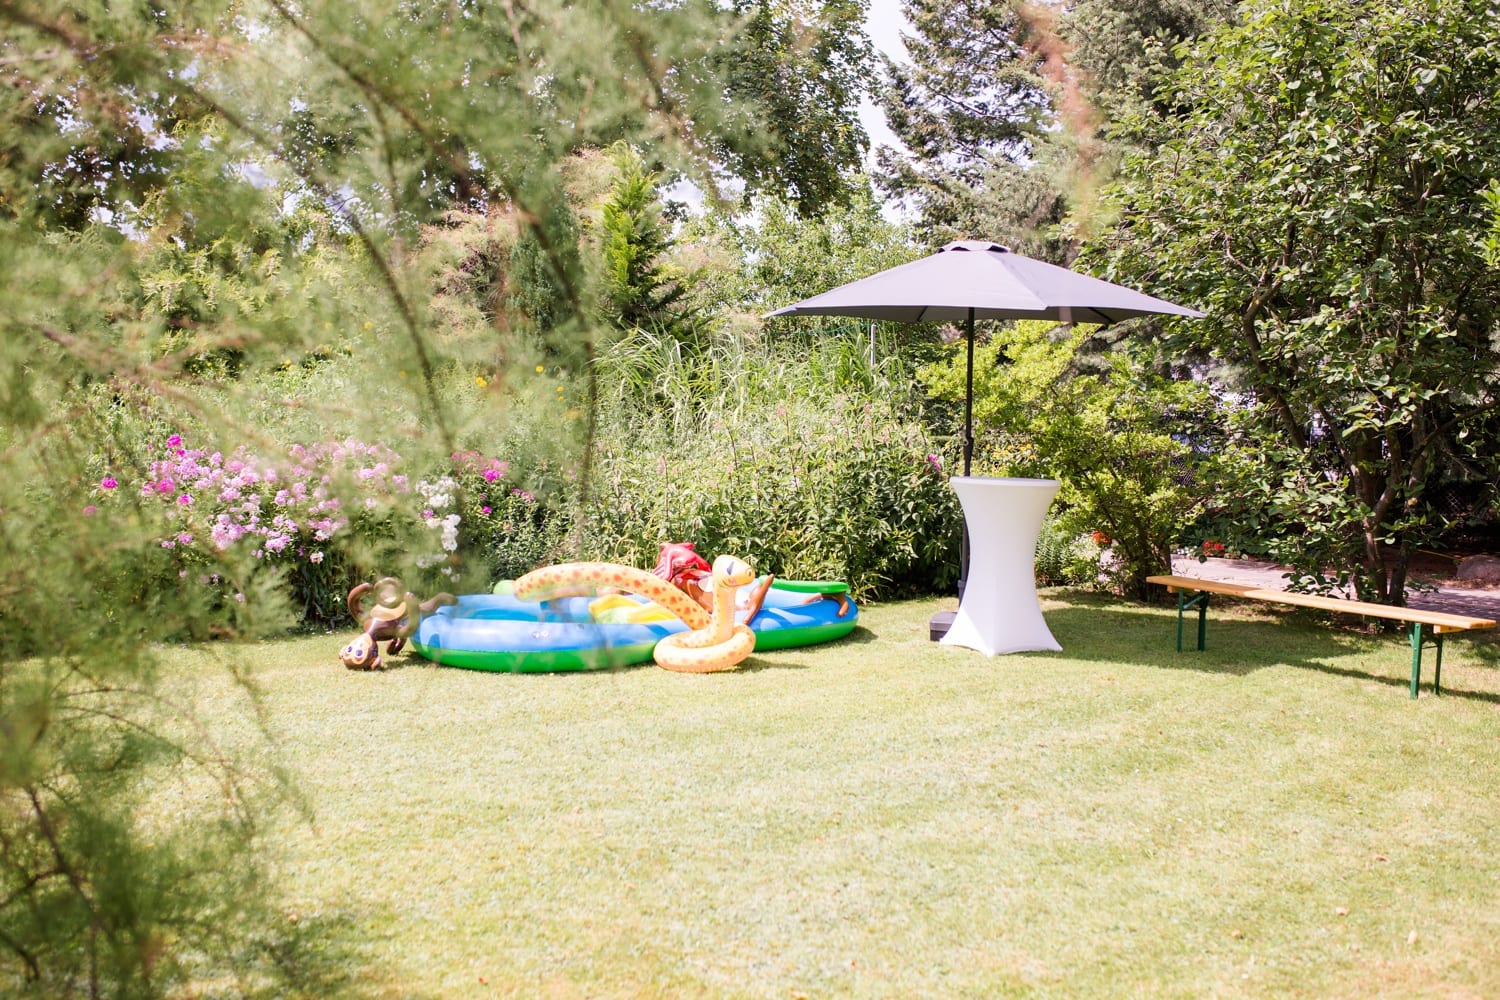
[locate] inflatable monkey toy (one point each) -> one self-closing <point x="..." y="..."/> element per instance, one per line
<point x="394" y="615"/>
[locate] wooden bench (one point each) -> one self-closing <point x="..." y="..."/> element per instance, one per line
<point x="1427" y="627"/>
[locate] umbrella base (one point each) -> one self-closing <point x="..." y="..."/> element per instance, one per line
<point x="939" y="624"/>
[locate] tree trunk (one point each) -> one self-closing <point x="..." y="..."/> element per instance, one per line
<point x="1399" y="558"/>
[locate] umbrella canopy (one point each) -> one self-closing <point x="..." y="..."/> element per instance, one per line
<point x="971" y="280"/>
<point x="986" y="281"/>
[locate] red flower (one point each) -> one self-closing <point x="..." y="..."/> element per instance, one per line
<point x="1102" y="540"/>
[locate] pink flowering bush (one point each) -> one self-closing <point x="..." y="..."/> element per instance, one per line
<point x="295" y="507"/>
<point x="312" y="515"/>
<point x="329" y="515"/>
<point x="504" y="527"/>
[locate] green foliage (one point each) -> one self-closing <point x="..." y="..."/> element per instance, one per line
<point x="114" y="801"/>
<point x="544" y="277"/>
<point x="1351" y="310"/>
<point x="783" y="256"/>
<point x="798" y="458"/>
<point x="1491" y="243"/>
<point x="1126" y="48"/>
<point x="108" y="905"/>
<point x="504" y="530"/>
<point x="803" y="66"/>
<point x="639" y="284"/>
<point x="114" y="154"/>
<point x="1117" y="440"/>
<point x="1063" y="557"/>
<point x="775" y="257"/>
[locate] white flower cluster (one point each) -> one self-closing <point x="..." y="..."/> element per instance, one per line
<point x="449" y="527"/>
<point x="438" y="495"/>
<point x="439" y="492"/>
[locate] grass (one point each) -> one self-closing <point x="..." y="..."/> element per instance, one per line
<point x="888" y="818"/>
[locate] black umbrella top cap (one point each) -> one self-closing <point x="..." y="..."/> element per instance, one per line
<point x="974" y="245"/>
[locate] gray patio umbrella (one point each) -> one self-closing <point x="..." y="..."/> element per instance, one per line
<point x="971" y="280"/>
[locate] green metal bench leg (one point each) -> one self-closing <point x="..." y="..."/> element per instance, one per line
<point x="1418" y="643"/>
<point x="1437" y="668"/>
<point x="1416" y="656"/>
<point x="1201" y="603"/>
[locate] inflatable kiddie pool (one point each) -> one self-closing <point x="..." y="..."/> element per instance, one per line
<point x="501" y="632"/>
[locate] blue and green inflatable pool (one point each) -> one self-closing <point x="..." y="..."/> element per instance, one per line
<point x="500" y="633"/>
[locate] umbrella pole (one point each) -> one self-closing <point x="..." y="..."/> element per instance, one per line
<point x="963" y="546"/>
<point x="969" y="399"/>
<point x="938" y="625"/>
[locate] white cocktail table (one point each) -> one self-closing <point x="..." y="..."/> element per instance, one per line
<point x="998" y="612"/>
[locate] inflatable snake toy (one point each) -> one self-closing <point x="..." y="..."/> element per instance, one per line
<point x="715" y="643"/>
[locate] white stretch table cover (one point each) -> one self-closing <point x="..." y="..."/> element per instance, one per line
<point x="999" y="612"/>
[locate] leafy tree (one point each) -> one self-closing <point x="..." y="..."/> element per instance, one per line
<point x="1118" y="437"/>
<point x="1321" y="197"/>
<point x="801" y="67"/>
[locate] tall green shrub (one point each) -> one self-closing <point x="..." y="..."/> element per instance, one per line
<point x="1120" y="440"/>
<point x="641" y="287"/>
<point x="800" y="458"/>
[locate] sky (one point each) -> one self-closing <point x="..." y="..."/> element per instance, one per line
<point x="884" y="25"/>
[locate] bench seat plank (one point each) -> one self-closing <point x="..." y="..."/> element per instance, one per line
<point x="1433" y="623"/>
<point x="1441" y="621"/>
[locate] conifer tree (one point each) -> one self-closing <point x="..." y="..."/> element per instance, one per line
<point x="803" y="65"/>
<point x="641" y="290"/>
<point x="201" y="204"/>
<point x="971" y="98"/>
<point x="1125" y="48"/>
<point x="1005" y="108"/>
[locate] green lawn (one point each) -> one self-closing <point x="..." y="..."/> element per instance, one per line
<point x="887" y="817"/>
